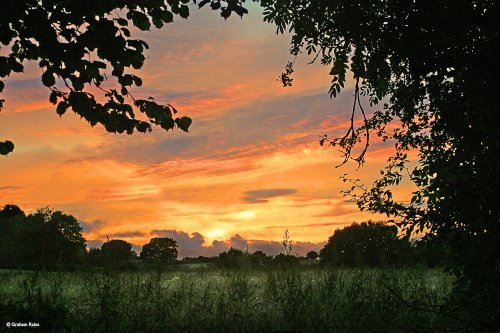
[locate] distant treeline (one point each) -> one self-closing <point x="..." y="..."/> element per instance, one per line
<point x="47" y="239"/>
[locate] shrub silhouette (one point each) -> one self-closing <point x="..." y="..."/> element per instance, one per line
<point x="233" y="258"/>
<point x="259" y="258"/>
<point x="284" y="260"/>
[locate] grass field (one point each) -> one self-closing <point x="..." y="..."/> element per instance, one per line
<point x="212" y="300"/>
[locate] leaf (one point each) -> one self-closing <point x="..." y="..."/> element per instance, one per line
<point x="183" y="123"/>
<point x="137" y="60"/>
<point x="4" y="67"/>
<point x="48" y="79"/>
<point x="61" y="108"/>
<point x="121" y="21"/>
<point x="184" y="11"/>
<point x="80" y="102"/>
<point x="137" y="81"/>
<point x="137" y="44"/>
<point x="167" y="17"/>
<point x="126" y="32"/>
<point x="151" y="109"/>
<point x="158" y="23"/>
<point x="240" y="10"/>
<point x="203" y="3"/>
<point x="167" y="124"/>
<point x="53" y="97"/>
<point x="15" y="65"/>
<point x="77" y="84"/>
<point x="143" y="127"/>
<point x="126" y="80"/>
<point x="117" y="69"/>
<point x="6" y="147"/>
<point x="225" y="13"/>
<point x="43" y="63"/>
<point x="140" y="20"/>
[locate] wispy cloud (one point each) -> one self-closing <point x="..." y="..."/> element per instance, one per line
<point x="309" y="225"/>
<point x="127" y="234"/>
<point x="10" y="188"/>
<point x="263" y="196"/>
<point x="91" y="226"/>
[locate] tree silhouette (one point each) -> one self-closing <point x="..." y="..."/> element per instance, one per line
<point x="431" y="67"/>
<point x="117" y="253"/>
<point x="10" y="217"/>
<point x="10" y="211"/>
<point x="259" y="258"/>
<point x="94" y="257"/>
<point x="312" y="255"/>
<point x="63" y="232"/>
<point x="78" y="44"/>
<point x="232" y="258"/>
<point x="161" y="249"/>
<point x="66" y="224"/>
<point x="368" y="244"/>
<point x="44" y="238"/>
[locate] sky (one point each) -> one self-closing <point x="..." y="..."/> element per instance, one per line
<point x="250" y="167"/>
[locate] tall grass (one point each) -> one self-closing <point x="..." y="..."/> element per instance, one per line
<point x="350" y="300"/>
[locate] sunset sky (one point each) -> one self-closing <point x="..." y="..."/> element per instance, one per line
<point x="250" y="167"/>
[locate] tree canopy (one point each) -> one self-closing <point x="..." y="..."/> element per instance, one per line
<point x="231" y="258"/>
<point x="161" y="249"/>
<point x="312" y="255"/>
<point x="432" y="68"/>
<point x="44" y="238"/>
<point x="367" y="244"/>
<point x="79" y="44"/>
<point x="117" y="251"/>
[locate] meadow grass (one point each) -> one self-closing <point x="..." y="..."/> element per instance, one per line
<point x="214" y="300"/>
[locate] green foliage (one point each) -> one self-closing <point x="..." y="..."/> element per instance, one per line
<point x="368" y="244"/>
<point x="160" y="249"/>
<point x="77" y="43"/>
<point x="39" y="301"/>
<point x="404" y="300"/>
